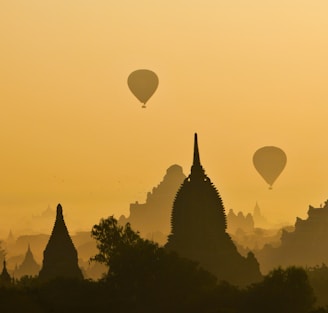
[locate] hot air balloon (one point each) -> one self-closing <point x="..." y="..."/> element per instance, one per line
<point x="143" y="83"/>
<point x="269" y="161"/>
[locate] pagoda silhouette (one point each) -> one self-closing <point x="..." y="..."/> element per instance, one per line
<point x="5" y="278"/>
<point x="29" y="266"/>
<point x="60" y="256"/>
<point x="198" y="229"/>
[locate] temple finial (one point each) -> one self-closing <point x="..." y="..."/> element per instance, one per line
<point x="59" y="210"/>
<point x="196" y="152"/>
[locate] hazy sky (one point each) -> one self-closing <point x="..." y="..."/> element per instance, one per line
<point x="243" y="74"/>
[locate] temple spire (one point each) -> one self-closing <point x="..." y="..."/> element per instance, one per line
<point x="196" y="152"/>
<point x="59" y="211"/>
<point x="196" y="168"/>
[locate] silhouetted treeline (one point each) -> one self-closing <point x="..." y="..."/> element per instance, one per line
<point x="146" y="278"/>
<point x="283" y="290"/>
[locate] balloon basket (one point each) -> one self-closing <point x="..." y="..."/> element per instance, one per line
<point x="144" y="106"/>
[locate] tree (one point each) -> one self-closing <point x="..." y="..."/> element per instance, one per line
<point x="114" y="242"/>
<point x="282" y="290"/>
<point x="318" y="276"/>
<point x="147" y="275"/>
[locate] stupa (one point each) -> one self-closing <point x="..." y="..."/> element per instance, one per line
<point x="198" y="229"/>
<point x="5" y="279"/>
<point x="60" y="256"/>
<point x="29" y="267"/>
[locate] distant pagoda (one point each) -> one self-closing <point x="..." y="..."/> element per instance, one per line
<point x="60" y="256"/>
<point x="199" y="229"/>
<point x="259" y="219"/>
<point x="29" y="266"/>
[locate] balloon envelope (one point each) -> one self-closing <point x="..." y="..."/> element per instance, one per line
<point x="269" y="161"/>
<point x="143" y="83"/>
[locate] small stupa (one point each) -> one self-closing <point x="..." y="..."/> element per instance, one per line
<point x="60" y="256"/>
<point x="29" y="266"/>
<point x="5" y="279"/>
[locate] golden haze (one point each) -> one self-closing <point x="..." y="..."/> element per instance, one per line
<point x="243" y="74"/>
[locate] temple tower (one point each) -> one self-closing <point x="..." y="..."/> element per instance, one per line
<point x="60" y="256"/>
<point x="198" y="229"/>
<point x="5" y="279"/>
<point x="29" y="266"/>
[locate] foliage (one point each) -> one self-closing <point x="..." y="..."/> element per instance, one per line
<point x="27" y="282"/>
<point x="148" y="275"/>
<point x="282" y="290"/>
<point x="181" y="287"/>
<point x="318" y="276"/>
<point x="142" y="270"/>
<point x="112" y="241"/>
<point x="144" y="277"/>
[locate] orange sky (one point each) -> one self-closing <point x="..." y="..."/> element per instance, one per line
<point x="243" y="74"/>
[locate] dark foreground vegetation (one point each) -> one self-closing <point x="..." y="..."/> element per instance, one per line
<point x="282" y="291"/>
<point x="146" y="278"/>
